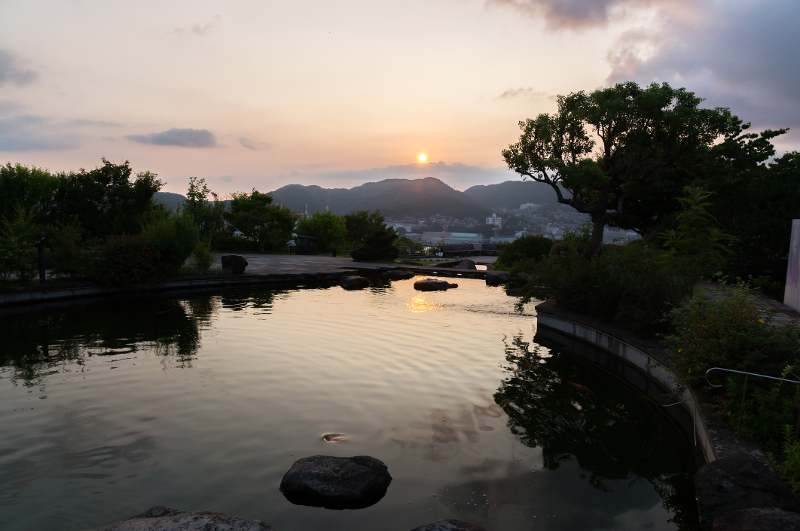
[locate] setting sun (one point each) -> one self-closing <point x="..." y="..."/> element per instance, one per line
<point x="422" y="157"/>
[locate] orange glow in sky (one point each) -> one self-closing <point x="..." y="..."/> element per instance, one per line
<point x="422" y="157"/>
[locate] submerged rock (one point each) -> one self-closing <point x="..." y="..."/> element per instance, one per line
<point x="398" y="274"/>
<point x="354" y="282"/>
<point x="758" y="520"/>
<point x="736" y="482"/>
<point x="161" y="518"/>
<point x="336" y="482"/>
<point x="431" y="284"/>
<point x="234" y="263"/>
<point x="449" y="525"/>
<point x="496" y="278"/>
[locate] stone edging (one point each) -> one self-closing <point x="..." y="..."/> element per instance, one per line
<point x="635" y="356"/>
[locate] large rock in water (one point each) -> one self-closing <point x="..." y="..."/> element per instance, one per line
<point x="165" y="519"/>
<point x="496" y="278"/>
<point x="449" y="525"/>
<point x="354" y="282"/>
<point x="336" y="482"/>
<point x="758" y="520"/>
<point x="398" y="274"/>
<point x="736" y="482"/>
<point x="466" y="264"/>
<point x="431" y="284"/>
<point x="234" y="263"/>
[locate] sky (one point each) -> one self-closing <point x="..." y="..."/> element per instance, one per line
<point x="259" y="93"/>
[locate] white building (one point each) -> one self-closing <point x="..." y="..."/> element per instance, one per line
<point x="494" y="220"/>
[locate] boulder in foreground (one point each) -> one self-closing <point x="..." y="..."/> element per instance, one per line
<point x="449" y="525"/>
<point x="336" y="482"/>
<point x="496" y="278"/>
<point x="758" y="520"/>
<point x="165" y="519"/>
<point x="466" y="264"/>
<point x="431" y="284"/>
<point x="354" y="282"/>
<point x="234" y="263"/>
<point x="739" y="481"/>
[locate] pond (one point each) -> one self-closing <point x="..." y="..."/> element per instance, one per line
<point x="204" y="401"/>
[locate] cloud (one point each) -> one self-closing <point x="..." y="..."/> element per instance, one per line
<point x="92" y="123"/>
<point x="201" y="31"/>
<point x="226" y="178"/>
<point x="33" y="133"/>
<point x="11" y="72"/>
<point x="192" y="138"/>
<point x="254" y="145"/>
<point x="528" y="92"/>
<point x="740" y="55"/>
<point x="585" y="14"/>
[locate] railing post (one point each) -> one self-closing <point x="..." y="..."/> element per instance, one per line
<point x="741" y="408"/>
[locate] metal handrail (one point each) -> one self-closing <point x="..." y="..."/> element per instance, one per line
<point x="746" y="374"/>
<point x="744" y="392"/>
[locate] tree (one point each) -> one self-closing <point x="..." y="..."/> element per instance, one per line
<point x="327" y="229"/>
<point x="206" y="216"/>
<point x="269" y="226"/>
<point x="31" y="189"/>
<point x="105" y="200"/>
<point x="647" y="137"/>
<point x="359" y="223"/>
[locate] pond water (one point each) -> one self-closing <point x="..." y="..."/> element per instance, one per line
<point x="203" y="402"/>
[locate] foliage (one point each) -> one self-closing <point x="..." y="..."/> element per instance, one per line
<point x="728" y="330"/>
<point x="360" y="223"/>
<point x="105" y="200"/>
<point x="696" y="239"/>
<point x="523" y="248"/>
<point x="378" y="244"/>
<point x="270" y="227"/>
<point x="207" y="216"/>
<point x="225" y="242"/>
<point x="788" y="465"/>
<point x="175" y="238"/>
<point x="18" y="254"/>
<point x="648" y="136"/>
<point x="327" y="229"/>
<point x="582" y="234"/>
<point x="68" y="257"/>
<point x="127" y="260"/>
<point x="30" y="188"/>
<point x="202" y="258"/>
<point x="628" y="285"/>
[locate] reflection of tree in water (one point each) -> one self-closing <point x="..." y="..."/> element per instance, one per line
<point x="568" y="407"/>
<point x="35" y="346"/>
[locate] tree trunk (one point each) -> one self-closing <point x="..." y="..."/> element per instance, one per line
<point x="598" y="225"/>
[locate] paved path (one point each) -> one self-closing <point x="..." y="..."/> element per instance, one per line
<point x="280" y="264"/>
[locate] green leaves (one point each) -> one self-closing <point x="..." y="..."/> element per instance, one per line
<point x="270" y="227"/>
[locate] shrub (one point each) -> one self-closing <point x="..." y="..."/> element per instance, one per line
<point x="127" y="260"/>
<point x="627" y="285"/>
<point x="174" y="237"/>
<point x="202" y="258"/>
<point x="729" y="330"/>
<point x="68" y="257"/>
<point x="378" y="244"/>
<point x="18" y="254"/>
<point x="522" y="249"/>
<point x="224" y="242"/>
<point x="788" y="465"/>
<point x="327" y="229"/>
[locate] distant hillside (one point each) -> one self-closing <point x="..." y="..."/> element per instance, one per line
<point x="393" y="197"/>
<point x="511" y="194"/>
<point x="170" y="200"/>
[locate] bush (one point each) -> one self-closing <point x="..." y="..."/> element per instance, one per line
<point x="224" y="242"/>
<point x="729" y="331"/>
<point x="327" y="229"/>
<point x="522" y="249"/>
<point x="18" y="254"/>
<point x="379" y="244"/>
<point x="627" y="285"/>
<point x="174" y="237"/>
<point x="127" y="260"/>
<point x="788" y="465"/>
<point x="202" y="258"/>
<point x="68" y="257"/>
